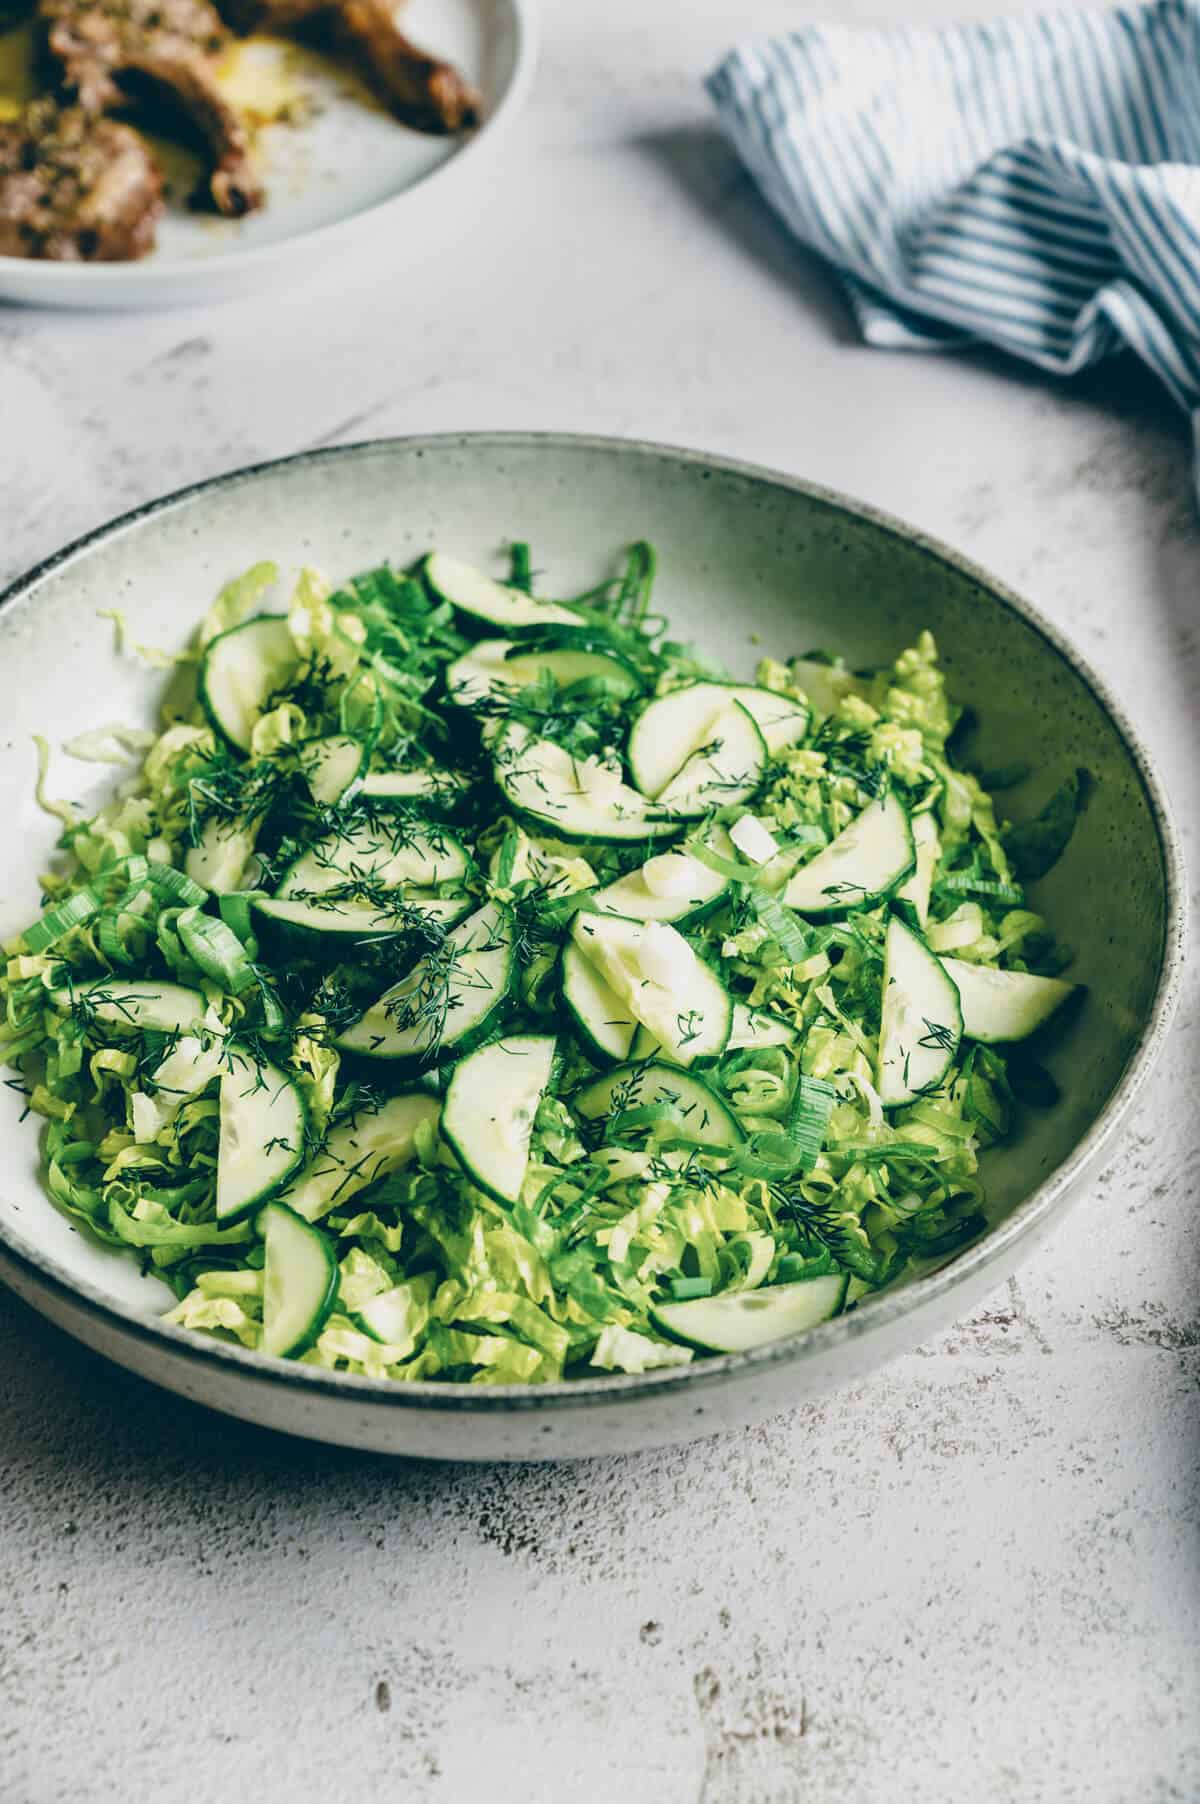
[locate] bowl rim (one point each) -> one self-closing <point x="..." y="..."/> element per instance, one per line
<point x="40" y="1271"/>
<point x="113" y="279"/>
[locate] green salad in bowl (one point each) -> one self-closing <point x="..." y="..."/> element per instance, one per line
<point x="475" y="986"/>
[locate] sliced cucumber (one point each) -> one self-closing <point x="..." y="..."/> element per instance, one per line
<point x="263" y="1122"/>
<point x="219" y="858"/>
<point x="657" y="975"/>
<point x="635" y="1086"/>
<point x="742" y="1319"/>
<point x="436" y="789"/>
<point x="447" y="1001"/>
<point x="495" y="668"/>
<point x="396" y="1316"/>
<point x="727" y="768"/>
<point x="673" y="727"/>
<point x="380" y="852"/>
<point x="865" y="863"/>
<point x="481" y="598"/>
<point x="332" y="767"/>
<point x="671" y="886"/>
<point x="300" y="1282"/>
<point x="241" y="670"/>
<point x="573" y="798"/>
<point x="489" y="1109"/>
<point x="357" y="1153"/>
<point x="605" y="1025"/>
<point x="922" y="1023"/>
<point x="160" y="1007"/>
<point x="927" y="848"/>
<point x="348" y="919"/>
<point x="825" y="685"/>
<point x="754" y="1027"/>
<point x="1000" y="1006"/>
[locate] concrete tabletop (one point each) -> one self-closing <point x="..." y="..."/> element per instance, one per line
<point x="974" y="1577"/>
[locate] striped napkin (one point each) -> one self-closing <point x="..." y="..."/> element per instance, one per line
<point x="1032" y="183"/>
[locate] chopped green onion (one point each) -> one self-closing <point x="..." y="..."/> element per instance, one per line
<point x="216" y="949"/>
<point x="59" y="921"/>
<point x="876" y="1154"/>
<point x="783" y="927"/>
<point x="177" y="886"/>
<point x="812" y="1106"/>
<point x="110" y="937"/>
<point x="962" y="883"/>
<point x="684" y="1289"/>
<point x="767" y="1155"/>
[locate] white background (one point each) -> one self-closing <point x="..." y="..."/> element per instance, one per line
<point x="973" y="1578"/>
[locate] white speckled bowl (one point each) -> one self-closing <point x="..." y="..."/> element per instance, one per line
<point x="742" y="551"/>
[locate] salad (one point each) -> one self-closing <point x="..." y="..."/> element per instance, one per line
<point x="481" y="987"/>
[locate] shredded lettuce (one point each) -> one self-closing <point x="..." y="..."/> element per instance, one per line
<point x="615" y="1216"/>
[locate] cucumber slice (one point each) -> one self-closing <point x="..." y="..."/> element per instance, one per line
<point x="927" y="848"/>
<point x="742" y="1319"/>
<point x="352" y="920"/>
<point x="263" y="1122"/>
<point x="672" y="886"/>
<point x="383" y="852"/>
<point x="300" y="1282"/>
<point x="922" y="1023"/>
<point x="825" y="685"/>
<point x="480" y="597"/>
<point x="727" y="768"/>
<point x="395" y="1316"/>
<point x="219" y="858"/>
<point x="357" y="1153"/>
<point x="754" y="1027"/>
<point x="673" y="727"/>
<point x="447" y="1001"/>
<point x="865" y="863"/>
<point x="604" y="1024"/>
<point x="572" y="798"/>
<point x="657" y="975"/>
<point x="636" y="1086"/>
<point x="495" y="668"/>
<point x="488" y="1113"/>
<point x="332" y="767"/>
<point x="436" y="789"/>
<point x="160" y="1007"/>
<point x="1000" y="1006"/>
<point x="241" y="670"/>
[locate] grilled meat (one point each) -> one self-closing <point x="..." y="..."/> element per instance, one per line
<point x="74" y="188"/>
<point x="421" y="90"/>
<point x="102" y="46"/>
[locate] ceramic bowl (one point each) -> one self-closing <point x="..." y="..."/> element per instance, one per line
<point x="348" y="183"/>
<point x="747" y="558"/>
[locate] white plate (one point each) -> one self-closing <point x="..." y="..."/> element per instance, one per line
<point x="349" y="172"/>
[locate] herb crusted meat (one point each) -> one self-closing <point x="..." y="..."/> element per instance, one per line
<point x="101" y="46"/>
<point x="75" y="189"/>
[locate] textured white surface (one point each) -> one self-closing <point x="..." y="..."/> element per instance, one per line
<point x="976" y="1577"/>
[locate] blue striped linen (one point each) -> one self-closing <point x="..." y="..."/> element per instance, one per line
<point x="1031" y="183"/>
